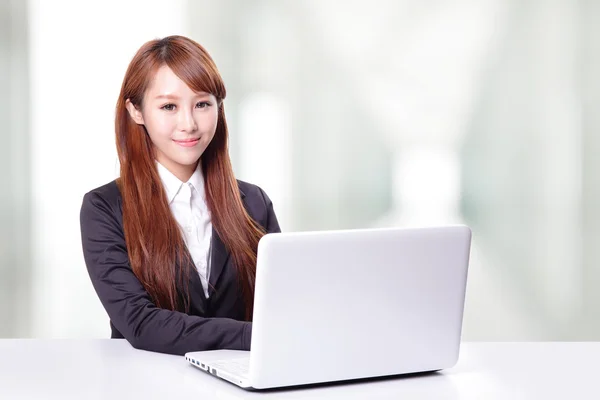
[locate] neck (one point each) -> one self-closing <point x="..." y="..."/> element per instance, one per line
<point x="182" y="172"/>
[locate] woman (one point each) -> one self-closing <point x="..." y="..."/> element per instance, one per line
<point x="170" y="246"/>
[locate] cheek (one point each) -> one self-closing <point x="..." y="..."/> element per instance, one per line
<point x="210" y="123"/>
<point x="159" y="126"/>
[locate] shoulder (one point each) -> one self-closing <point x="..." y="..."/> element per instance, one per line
<point x="255" y="199"/>
<point x="259" y="206"/>
<point x="107" y="191"/>
<point x="105" y="199"/>
<point x="251" y="192"/>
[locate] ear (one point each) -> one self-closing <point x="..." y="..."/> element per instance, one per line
<point x="134" y="112"/>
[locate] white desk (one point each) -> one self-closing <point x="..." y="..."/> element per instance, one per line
<point x="112" y="369"/>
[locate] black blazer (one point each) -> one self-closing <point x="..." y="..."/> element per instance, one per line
<point x="213" y="323"/>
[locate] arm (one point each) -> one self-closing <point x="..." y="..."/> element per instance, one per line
<point x="130" y="307"/>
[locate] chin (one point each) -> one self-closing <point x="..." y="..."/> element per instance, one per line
<point x="185" y="158"/>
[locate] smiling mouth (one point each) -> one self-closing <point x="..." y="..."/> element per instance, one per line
<point x="187" y="142"/>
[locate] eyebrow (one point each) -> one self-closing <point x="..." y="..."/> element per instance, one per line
<point x="174" y="97"/>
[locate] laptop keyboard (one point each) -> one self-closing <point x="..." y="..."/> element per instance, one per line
<point x="235" y="366"/>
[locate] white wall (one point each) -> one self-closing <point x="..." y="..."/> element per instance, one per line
<point x="344" y="101"/>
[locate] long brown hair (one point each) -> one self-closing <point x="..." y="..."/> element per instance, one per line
<point x="154" y="242"/>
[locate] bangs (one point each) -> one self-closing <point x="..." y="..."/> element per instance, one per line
<point x="194" y="67"/>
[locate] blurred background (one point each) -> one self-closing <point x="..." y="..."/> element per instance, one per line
<point x="349" y="115"/>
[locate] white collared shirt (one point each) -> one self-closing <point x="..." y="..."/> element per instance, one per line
<point x="187" y="202"/>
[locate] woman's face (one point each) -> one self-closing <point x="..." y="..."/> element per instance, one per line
<point x="180" y="122"/>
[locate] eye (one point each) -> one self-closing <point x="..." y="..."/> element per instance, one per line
<point x="168" y="107"/>
<point x="202" y="104"/>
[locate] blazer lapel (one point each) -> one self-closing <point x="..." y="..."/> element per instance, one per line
<point x="219" y="257"/>
<point x="197" y="297"/>
<point x="219" y="254"/>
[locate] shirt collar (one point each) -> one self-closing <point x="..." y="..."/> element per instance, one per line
<point x="172" y="184"/>
<point x="197" y="181"/>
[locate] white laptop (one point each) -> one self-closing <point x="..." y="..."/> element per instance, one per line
<point x="350" y="304"/>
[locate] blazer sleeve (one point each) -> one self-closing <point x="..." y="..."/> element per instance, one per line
<point x="129" y="305"/>
<point x="272" y="225"/>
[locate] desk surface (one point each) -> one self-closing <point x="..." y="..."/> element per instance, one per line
<point x="112" y="369"/>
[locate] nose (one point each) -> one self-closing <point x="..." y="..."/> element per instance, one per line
<point x="187" y="123"/>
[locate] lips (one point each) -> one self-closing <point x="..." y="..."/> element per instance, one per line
<point x="187" y="142"/>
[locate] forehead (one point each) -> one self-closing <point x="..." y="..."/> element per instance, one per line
<point x="166" y="82"/>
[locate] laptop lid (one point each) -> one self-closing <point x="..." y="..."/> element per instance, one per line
<point x="352" y="304"/>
